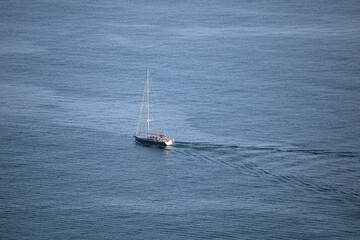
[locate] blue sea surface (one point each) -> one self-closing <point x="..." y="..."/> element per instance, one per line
<point x="261" y="97"/>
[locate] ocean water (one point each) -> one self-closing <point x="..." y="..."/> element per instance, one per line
<point x="262" y="98"/>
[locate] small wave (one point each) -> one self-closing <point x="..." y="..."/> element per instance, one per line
<point x="211" y="146"/>
<point x="224" y="155"/>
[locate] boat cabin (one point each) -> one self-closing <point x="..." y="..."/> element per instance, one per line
<point x="158" y="137"/>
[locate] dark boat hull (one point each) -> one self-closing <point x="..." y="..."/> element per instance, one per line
<point x="150" y="141"/>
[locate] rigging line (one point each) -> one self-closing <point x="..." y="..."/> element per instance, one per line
<point x="142" y="104"/>
<point x="148" y="101"/>
<point x="155" y="99"/>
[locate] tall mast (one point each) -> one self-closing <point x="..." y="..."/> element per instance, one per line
<point x="148" y="104"/>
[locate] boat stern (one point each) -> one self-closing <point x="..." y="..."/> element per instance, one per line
<point x="169" y="142"/>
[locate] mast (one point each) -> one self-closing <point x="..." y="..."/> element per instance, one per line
<point x="148" y="104"/>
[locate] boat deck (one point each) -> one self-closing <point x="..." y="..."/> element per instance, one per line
<point x="153" y="141"/>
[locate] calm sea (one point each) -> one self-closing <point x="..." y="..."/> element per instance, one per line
<point x="262" y="98"/>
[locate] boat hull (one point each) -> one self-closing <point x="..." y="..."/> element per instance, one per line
<point x="152" y="141"/>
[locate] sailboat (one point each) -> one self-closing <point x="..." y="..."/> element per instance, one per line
<point x="155" y="139"/>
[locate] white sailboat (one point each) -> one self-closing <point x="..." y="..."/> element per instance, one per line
<point x="155" y="139"/>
